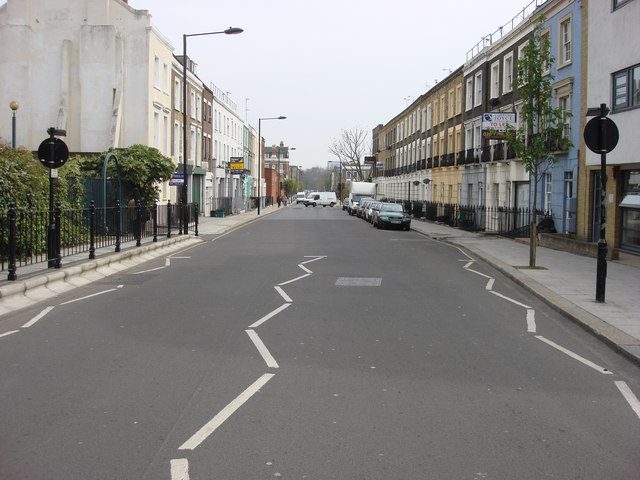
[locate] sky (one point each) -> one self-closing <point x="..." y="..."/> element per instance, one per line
<point x="327" y="65"/>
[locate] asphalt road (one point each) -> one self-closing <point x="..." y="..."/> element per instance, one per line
<point x="310" y="345"/>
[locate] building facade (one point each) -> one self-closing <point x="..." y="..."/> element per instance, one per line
<point x="611" y="75"/>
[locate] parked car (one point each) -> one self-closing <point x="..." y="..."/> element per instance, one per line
<point x="321" y="198"/>
<point x="362" y="206"/>
<point x="375" y="208"/>
<point x="354" y="205"/>
<point x="300" y="196"/>
<point x="391" y="215"/>
<point x="345" y="204"/>
<point x="366" y="215"/>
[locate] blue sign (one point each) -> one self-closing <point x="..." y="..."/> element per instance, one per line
<point x="177" y="180"/>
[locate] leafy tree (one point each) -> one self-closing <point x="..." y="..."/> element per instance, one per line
<point x="139" y="167"/>
<point x="24" y="182"/>
<point x="351" y="148"/>
<point x="291" y="186"/>
<point x="542" y="127"/>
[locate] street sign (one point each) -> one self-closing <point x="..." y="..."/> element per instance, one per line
<point x="593" y="134"/>
<point x="236" y="165"/>
<point x="53" y="153"/>
<point x="177" y="180"/>
<point x="496" y="125"/>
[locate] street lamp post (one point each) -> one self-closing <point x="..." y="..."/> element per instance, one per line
<point x="260" y="156"/>
<point x="228" y="31"/>
<point x="13" y="106"/>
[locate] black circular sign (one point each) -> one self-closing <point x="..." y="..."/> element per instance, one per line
<point x="53" y="156"/>
<point x="593" y="134"/>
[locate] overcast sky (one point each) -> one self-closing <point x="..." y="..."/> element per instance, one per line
<point x="326" y="65"/>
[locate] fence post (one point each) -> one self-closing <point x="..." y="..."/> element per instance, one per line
<point x="118" y="214"/>
<point x="169" y="219"/>
<point x="137" y="223"/>
<point x="92" y="230"/>
<point x="196" y="213"/>
<point x="58" y="235"/>
<point x="155" y="221"/>
<point x="12" y="243"/>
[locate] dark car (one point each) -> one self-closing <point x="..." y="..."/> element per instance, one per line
<point x="391" y="215"/>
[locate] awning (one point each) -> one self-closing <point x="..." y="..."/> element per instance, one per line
<point x="630" y="201"/>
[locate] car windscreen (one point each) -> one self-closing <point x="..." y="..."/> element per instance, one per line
<point x="391" y="207"/>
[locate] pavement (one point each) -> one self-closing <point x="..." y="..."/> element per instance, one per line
<point x="563" y="280"/>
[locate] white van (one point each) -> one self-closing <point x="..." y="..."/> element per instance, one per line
<point x="300" y="196"/>
<point x="321" y="198"/>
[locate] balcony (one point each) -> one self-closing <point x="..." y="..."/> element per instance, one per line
<point x="485" y="155"/>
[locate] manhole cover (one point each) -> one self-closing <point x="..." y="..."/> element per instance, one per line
<point x="358" y="282"/>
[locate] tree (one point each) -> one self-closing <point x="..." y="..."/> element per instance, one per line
<point x="139" y="166"/>
<point x="24" y="182"/>
<point x="542" y="127"/>
<point x="351" y="148"/>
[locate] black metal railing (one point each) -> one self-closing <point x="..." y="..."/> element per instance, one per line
<point x="508" y="222"/>
<point x="29" y="237"/>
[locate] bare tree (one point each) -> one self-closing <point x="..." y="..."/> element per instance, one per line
<point x="351" y="148"/>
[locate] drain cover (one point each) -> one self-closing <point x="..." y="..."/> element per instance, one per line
<point x="359" y="282"/>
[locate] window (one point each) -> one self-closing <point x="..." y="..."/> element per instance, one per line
<point x="547" y="192"/>
<point x="469" y="91"/>
<point x="459" y="99"/>
<point x="156" y="72"/>
<point x="165" y="78"/>
<point x="626" y="88"/>
<point x="564" y="55"/>
<point x="156" y="130"/>
<point x="564" y="104"/>
<point x="177" y="94"/>
<point x="429" y="116"/>
<point x="452" y="103"/>
<point x="545" y="42"/>
<point x="443" y="110"/>
<point x="477" y="100"/>
<point x="507" y="72"/>
<point x="176" y="139"/>
<point x="495" y="80"/>
<point x="436" y="111"/>
<point x="619" y="3"/>
<point x="468" y="137"/>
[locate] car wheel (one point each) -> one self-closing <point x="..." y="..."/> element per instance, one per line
<point x="314" y="204"/>
<point x="331" y="204"/>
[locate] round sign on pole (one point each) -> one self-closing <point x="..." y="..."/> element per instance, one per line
<point x="593" y="134"/>
<point x="53" y="157"/>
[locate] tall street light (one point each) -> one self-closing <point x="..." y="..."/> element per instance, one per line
<point x="260" y="156"/>
<point x="228" y="31"/>
<point x="13" y="106"/>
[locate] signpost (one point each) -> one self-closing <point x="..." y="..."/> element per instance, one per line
<point x="236" y="165"/>
<point x="496" y="125"/>
<point x="601" y="136"/>
<point x="53" y="153"/>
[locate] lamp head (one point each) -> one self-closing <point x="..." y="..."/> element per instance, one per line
<point x="14" y="105"/>
<point x="233" y="31"/>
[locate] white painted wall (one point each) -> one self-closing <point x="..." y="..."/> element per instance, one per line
<point x="613" y="45"/>
<point x="82" y="66"/>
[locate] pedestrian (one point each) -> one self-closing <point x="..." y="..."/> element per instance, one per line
<point x="279" y="200"/>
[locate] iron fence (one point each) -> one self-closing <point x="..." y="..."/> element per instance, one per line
<point x="508" y="222"/>
<point x="29" y="237"/>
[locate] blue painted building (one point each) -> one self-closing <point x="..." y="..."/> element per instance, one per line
<point x="557" y="191"/>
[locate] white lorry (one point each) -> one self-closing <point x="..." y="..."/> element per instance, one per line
<point x="357" y="191"/>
